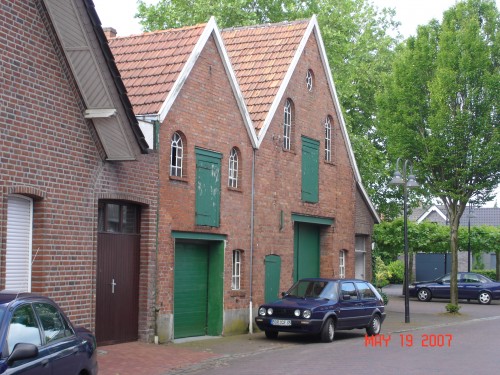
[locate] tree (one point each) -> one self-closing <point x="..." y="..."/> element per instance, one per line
<point x="358" y="45"/>
<point x="439" y="107"/>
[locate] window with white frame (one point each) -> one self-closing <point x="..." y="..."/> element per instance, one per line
<point x="328" y="139"/>
<point x="287" y="125"/>
<point x="176" y="156"/>
<point x="342" y="264"/>
<point x="309" y="80"/>
<point x="233" y="168"/>
<point x="236" y="279"/>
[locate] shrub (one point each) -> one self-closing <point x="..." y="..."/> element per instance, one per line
<point x="396" y="272"/>
<point x="492" y="274"/>
<point x="381" y="273"/>
<point x="384" y="296"/>
<point x="452" y="309"/>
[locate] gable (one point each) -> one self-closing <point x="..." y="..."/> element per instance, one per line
<point x="76" y="25"/>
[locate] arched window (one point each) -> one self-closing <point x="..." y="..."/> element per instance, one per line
<point x="328" y="139"/>
<point x="233" y="168"/>
<point x="309" y="80"/>
<point x="176" y="156"/>
<point x="287" y="125"/>
<point x="236" y="277"/>
<point x="342" y="264"/>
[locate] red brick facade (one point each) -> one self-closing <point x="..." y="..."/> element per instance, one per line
<point x="51" y="153"/>
<point x="278" y="181"/>
<point x="48" y="151"/>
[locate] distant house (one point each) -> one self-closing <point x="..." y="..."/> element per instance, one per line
<point x="473" y="217"/>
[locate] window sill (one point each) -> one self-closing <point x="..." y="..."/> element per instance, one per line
<point x="178" y="179"/>
<point x="237" y="293"/>
<point x="237" y="190"/>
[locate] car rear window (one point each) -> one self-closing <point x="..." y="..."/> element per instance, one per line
<point x="365" y="292"/>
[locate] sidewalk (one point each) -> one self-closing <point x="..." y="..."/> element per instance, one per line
<point x="137" y="358"/>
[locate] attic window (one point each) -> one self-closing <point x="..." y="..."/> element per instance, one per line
<point x="309" y="80"/>
<point x="287" y="125"/>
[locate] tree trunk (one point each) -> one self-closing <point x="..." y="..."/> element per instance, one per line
<point x="498" y="264"/>
<point x="455" y="212"/>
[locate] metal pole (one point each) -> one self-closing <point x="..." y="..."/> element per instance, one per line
<point x="406" y="280"/>
<point x="468" y="246"/>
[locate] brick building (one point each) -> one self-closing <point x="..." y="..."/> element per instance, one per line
<point x="247" y="204"/>
<point x="245" y="183"/>
<point x="78" y="186"/>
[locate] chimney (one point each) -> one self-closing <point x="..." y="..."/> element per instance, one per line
<point x="109" y="32"/>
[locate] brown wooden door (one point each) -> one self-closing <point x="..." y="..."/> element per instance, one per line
<point x="117" y="288"/>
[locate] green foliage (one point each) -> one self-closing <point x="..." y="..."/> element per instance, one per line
<point x="380" y="273"/>
<point x="452" y="308"/>
<point x="425" y="237"/>
<point x="396" y="272"/>
<point x="439" y="107"/>
<point x="491" y="274"/>
<point x="384" y="296"/>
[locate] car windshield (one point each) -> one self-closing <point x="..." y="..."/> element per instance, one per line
<point x="313" y="289"/>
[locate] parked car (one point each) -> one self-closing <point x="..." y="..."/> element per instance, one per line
<point x="322" y="306"/>
<point x="470" y="286"/>
<point x="36" y="337"/>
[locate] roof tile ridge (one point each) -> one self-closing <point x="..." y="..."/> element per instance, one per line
<point x="164" y="31"/>
<point x="264" y="25"/>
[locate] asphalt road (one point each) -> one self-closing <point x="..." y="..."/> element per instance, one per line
<point x="458" y="346"/>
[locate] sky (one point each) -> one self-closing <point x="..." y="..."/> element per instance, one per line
<point x="119" y="14"/>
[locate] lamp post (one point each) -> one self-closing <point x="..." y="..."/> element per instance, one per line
<point x="407" y="182"/>
<point x="471" y="215"/>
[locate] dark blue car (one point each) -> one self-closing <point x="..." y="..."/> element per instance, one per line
<point x="470" y="286"/>
<point x="37" y="338"/>
<point x="321" y="306"/>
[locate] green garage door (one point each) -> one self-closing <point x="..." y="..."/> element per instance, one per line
<point x="306" y="250"/>
<point x="191" y="290"/>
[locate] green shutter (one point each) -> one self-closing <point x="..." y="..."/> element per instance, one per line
<point x="310" y="170"/>
<point x="207" y="187"/>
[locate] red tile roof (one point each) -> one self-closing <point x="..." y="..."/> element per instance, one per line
<point x="150" y="63"/>
<point x="261" y="56"/>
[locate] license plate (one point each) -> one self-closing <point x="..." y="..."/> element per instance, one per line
<point x="281" y="322"/>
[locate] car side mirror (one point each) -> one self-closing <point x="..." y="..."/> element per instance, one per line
<point x="346" y="297"/>
<point x="283" y="294"/>
<point x="22" y="351"/>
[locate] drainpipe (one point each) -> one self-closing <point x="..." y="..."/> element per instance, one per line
<point x="250" y="329"/>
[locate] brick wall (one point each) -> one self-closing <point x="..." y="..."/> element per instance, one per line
<point x="207" y="115"/>
<point x="48" y="151"/>
<point x="278" y="179"/>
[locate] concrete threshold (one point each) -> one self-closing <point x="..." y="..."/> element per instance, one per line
<point x="195" y="338"/>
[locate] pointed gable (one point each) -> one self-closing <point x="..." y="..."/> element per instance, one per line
<point x="261" y="57"/>
<point x="151" y="63"/>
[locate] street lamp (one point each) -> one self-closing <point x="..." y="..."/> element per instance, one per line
<point x="407" y="182"/>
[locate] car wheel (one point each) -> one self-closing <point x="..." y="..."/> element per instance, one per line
<point x="484" y="298"/>
<point x="424" y="295"/>
<point x="272" y="334"/>
<point x="328" y="331"/>
<point x="374" y="326"/>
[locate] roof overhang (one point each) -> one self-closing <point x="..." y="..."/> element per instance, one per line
<point x="74" y="22"/>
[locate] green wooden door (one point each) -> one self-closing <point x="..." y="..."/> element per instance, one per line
<point x="207" y="187"/>
<point x="273" y="272"/>
<point x="190" y="290"/>
<point x="310" y="170"/>
<point x="306" y="251"/>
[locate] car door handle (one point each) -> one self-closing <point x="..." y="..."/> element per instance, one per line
<point x="45" y="362"/>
